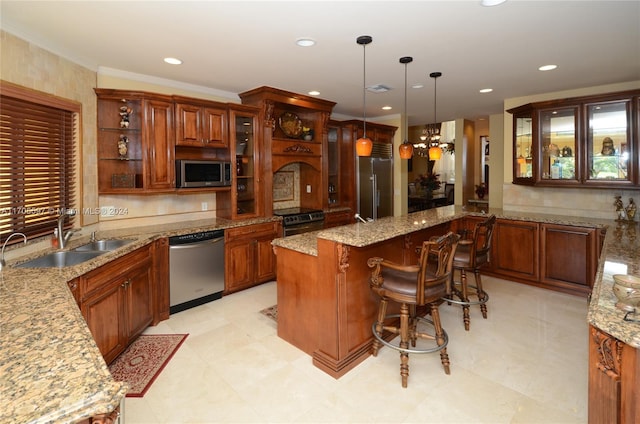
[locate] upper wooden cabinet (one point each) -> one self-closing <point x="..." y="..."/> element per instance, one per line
<point x="135" y="142"/>
<point x="244" y="200"/>
<point x="200" y="124"/>
<point x="340" y="165"/>
<point x="294" y="132"/>
<point x="579" y="142"/>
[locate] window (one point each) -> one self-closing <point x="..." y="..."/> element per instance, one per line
<point x="38" y="135"/>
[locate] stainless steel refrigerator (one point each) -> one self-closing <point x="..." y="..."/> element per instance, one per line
<point x="375" y="182"/>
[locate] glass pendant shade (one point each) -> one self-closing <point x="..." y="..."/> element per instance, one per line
<point x="364" y="145"/>
<point x="406" y="150"/>
<point x="435" y="153"/>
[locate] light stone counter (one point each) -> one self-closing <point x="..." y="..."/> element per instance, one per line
<point x="50" y="367"/>
<point x="620" y="253"/>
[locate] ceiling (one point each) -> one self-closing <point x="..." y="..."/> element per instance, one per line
<point x="233" y="46"/>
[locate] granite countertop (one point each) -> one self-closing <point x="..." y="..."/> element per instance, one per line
<point x="51" y="368"/>
<point x="620" y="253"/>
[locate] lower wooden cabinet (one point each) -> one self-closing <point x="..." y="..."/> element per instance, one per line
<point x="249" y="258"/>
<point x="516" y="249"/>
<point x="116" y="301"/>
<point x="569" y="256"/>
<point x="559" y="257"/>
<point x="614" y="370"/>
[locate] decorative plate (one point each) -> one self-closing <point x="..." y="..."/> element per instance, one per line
<point x="291" y="125"/>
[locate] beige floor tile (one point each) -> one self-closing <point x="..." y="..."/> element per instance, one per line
<point x="526" y="363"/>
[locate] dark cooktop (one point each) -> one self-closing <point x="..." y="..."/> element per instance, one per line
<point x="299" y="216"/>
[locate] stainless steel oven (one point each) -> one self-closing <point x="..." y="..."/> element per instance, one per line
<point x="300" y="220"/>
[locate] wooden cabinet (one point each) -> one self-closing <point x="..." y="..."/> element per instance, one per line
<point x="589" y="141"/>
<point x="135" y="142"/>
<point x="569" y="256"/>
<point x="117" y="301"/>
<point x="515" y="249"/>
<point x="249" y="257"/>
<point x="200" y="125"/>
<point x="558" y="257"/>
<point x="338" y="218"/>
<point x="294" y="134"/>
<point x="245" y="199"/>
<point x="614" y="371"/>
<point x="340" y="165"/>
<point x="158" y="159"/>
<point x="378" y="133"/>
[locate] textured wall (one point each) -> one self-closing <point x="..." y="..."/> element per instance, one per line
<point x="30" y="66"/>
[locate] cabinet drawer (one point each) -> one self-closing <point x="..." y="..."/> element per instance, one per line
<point x="253" y="231"/>
<point x="98" y="278"/>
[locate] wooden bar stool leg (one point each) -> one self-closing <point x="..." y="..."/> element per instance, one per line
<point x="465" y="298"/>
<point x="413" y="323"/>
<point x="382" y="313"/>
<point x="437" y="324"/>
<point x="404" y="343"/>
<point x="481" y="294"/>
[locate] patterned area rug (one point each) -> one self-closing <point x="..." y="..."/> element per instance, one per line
<point x="271" y="312"/>
<point x="144" y="359"/>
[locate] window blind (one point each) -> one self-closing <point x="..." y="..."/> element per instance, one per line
<point x="37" y="166"/>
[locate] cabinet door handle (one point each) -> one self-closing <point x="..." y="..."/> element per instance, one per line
<point x="125" y="284"/>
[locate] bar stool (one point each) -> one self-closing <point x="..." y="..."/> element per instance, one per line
<point x="471" y="255"/>
<point x="412" y="286"/>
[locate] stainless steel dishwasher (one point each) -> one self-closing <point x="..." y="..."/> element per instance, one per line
<point x="196" y="269"/>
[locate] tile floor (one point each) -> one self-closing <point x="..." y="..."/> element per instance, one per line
<point x="527" y="363"/>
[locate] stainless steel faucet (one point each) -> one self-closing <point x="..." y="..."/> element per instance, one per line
<point x="62" y="236"/>
<point x="2" y="262"/>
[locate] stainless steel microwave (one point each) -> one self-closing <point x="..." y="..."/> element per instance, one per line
<point x="202" y="173"/>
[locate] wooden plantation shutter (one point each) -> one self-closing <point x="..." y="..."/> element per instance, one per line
<point x="37" y="161"/>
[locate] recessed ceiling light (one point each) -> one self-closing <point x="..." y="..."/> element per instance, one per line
<point x="173" y="61"/>
<point x="489" y="3"/>
<point x="305" y="42"/>
<point x="486" y="90"/>
<point x="314" y="93"/>
<point x="386" y="108"/>
<point x="547" y="68"/>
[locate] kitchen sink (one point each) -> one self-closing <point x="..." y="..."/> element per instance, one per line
<point x="102" y="245"/>
<point x="60" y="259"/>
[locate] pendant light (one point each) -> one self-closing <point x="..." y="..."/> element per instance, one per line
<point x="364" y="145"/>
<point x="406" y="148"/>
<point x="435" y="152"/>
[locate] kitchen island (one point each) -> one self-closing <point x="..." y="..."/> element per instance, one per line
<point x="325" y="306"/>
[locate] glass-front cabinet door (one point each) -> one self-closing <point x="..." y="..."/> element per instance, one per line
<point x="244" y="129"/>
<point x="590" y="141"/>
<point x="558" y="146"/>
<point x="523" y="164"/>
<point x="333" y="151"/>
<point x="608" y="142"/>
